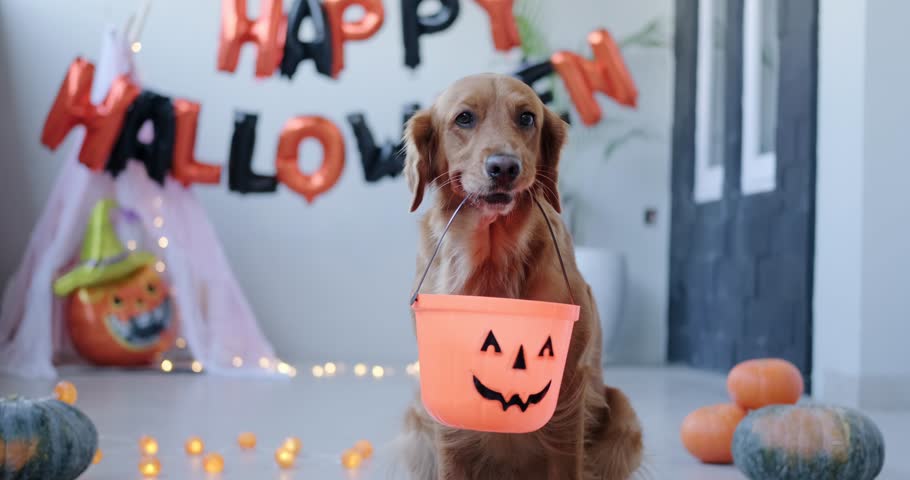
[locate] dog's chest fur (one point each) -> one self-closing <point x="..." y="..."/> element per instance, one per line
<point x="481" y="257"/>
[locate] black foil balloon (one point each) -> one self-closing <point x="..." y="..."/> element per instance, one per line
<point x="386" y="160"/>
<point x="241" y="178"/>
<point x="415" y="25"/>
<point x="319" y="49"/>
<point x="532" y="74"/>
<point x="157" y="155"/>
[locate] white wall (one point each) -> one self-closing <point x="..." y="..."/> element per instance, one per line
<point x="863" y="224"/>
<point x="329" y="280"/>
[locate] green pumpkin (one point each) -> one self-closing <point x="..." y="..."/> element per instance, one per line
<point x="808" y="442"/>
<point x="44" y="439"/>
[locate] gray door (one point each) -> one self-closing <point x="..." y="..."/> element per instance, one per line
<point x="741" y="265"/>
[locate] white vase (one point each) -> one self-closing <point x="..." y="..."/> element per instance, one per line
<point x="605" y="272"/>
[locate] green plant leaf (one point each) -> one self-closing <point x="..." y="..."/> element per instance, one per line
<point x="637" y="133"/>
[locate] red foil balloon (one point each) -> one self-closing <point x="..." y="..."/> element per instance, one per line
<point x="185" y="169"/>
<point x="268" y="32"/>
<point x="502" y="23"/>
<point x="295" y="131"/>
<point x="607" y="73"/>
<point x="342" y="31"/>
<point x="73" y="106"/>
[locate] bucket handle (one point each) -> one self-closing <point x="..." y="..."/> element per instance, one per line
<point x="562" y="264"/>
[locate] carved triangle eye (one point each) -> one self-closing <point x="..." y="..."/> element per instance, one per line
<point x="490" y="342"/>
<point x="546" y="346"/>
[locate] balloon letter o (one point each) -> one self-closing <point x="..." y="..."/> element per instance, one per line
<point x="294" y="132"/>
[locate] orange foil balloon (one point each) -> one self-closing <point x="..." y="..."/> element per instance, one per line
<point x="73" y="106"/>
<point x="185" y="169"/>
<point x="294" y="132"/>
<point x="342" y="31"/>
<point x="607" y="73"/>
<point x="502" y="23"/>
<point x="267" y="32"/>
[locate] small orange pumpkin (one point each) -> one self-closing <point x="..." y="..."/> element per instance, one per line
<point x="761" y="382"/>
<point x="707" y="433"/>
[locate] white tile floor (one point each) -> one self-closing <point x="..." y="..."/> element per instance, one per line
<point x="330" y="414"/>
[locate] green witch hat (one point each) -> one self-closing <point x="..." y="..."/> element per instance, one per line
<point x="103" y="257"/>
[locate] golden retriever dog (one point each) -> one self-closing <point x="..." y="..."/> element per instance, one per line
<point x="490" y="139"/>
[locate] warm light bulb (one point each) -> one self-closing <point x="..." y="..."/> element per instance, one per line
<point x="351" y="459"/>
<point x="131" y="244"/>
<point x="167" y="365"/>
<point x="66" y="392"/>
<point x="160" y="267"/>
<point x="149" y="467"/>
<point x="136" y="47"/>
<point x="181" y="343"/>
<point x="330" y="368"/>
<point x="237" y="362"/>
<point x="364" y="447"/>
<point x="213" y="463"/>
<point x="196" y="366"/>
<point x="283" y="368"/>
<point x="194" y="446"/>
<point x="162" y="242"/>
<point x="292" y="372"/>
<point x="318" y="371"/>
<point x="292" y="444"/>
<point x="148" y="446"/>
<point x="360" y="369"/>
<point x="264" y="362"/>
<point x="378" y="371"/>
<point x="284" y="457"/>
<point x="247" y="440"/>
<point x="158" y="222"/>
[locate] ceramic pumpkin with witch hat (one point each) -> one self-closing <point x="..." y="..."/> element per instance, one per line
<point x="119" y="309"/>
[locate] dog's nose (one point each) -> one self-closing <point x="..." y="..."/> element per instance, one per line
<point x="520" y="359"/>
<point x="503" y="168"/>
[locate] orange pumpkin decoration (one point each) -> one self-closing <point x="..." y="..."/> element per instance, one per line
<point x="758" y="383"/>
<point x="707" y="433"/>
<point x="119" y="310"/>
<point x="126" y="322"/>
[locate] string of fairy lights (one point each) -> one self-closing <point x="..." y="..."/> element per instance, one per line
<point x="328" y="369"/>
<point x="319" y="370"/>
<point x="288" y="455"/>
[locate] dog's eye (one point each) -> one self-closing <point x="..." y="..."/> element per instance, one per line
<point x="117" y="301"/>
<point x="526" y="119"/>
<point x="546" y="346"/>
<point x="490" y="342"/>
<point x="465" y="119"/>
<point x="150" y="288"/>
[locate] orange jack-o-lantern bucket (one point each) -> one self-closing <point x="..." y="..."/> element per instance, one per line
<point x="491" y="364"/>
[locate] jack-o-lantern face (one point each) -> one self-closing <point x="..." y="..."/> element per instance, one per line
<point x="492" y="364"/>
<point x="520" y="363"/>
<point x="125" y="322"/>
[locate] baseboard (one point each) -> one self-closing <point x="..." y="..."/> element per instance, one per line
<point x="869" y="392"/>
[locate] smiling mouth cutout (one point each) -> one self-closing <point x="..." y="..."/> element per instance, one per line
<point x="490" y="394"/>
<point x="142" y="330"/>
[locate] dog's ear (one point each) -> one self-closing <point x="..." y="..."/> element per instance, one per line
<point x="552" y="139"/>
<point x="420" y="141"/>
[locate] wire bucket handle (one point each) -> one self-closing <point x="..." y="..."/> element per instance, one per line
<point x="562" y="264"/>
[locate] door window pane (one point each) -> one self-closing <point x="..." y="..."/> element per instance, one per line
<point x="770" y="68"/>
